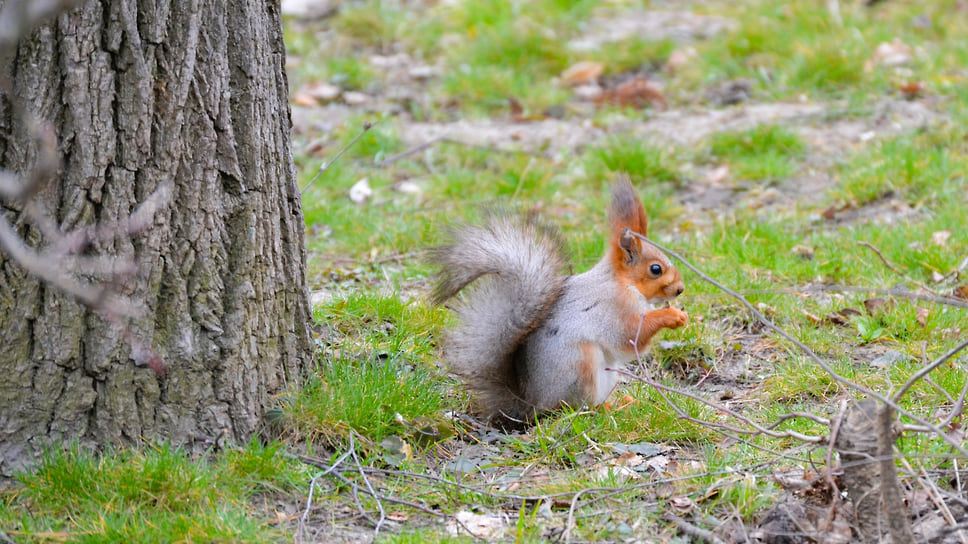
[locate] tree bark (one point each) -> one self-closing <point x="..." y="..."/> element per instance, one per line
<point x="142" y="93"/>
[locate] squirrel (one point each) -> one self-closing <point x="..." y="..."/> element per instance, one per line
<point x="531" y="338"/>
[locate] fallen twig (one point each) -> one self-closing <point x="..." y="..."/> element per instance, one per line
<point x="297" y="538"/>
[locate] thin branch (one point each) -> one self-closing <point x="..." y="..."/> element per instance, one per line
<point x="379" y="504"/>
<point x="297" y="538"/>
<point x="896" y="292"/>
<point x="447" y="139"/>
<point x="326" y="164"/>
<point x="757" y="428"/>
<point x="927" y="369"/>
<point x="570" y="522"/>
<point x="809" y="352"/>
<point x="893" y="268"/>
<point x="94" y="296"/>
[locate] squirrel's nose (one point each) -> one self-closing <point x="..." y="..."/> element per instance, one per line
<point x="680" y="290"/>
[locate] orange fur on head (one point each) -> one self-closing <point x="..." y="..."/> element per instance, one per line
<point x="631" y="258"/>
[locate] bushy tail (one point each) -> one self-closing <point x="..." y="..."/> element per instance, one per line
<point x="519" y="269"/>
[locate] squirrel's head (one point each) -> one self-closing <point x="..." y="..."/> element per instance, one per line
<point x="636" y="262"/>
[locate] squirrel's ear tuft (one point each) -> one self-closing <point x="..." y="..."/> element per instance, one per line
<point x="627" y="211"/>
<point x="629" y="246"/>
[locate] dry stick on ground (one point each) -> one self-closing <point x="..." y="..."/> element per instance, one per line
<point x="927" y="369"/>
<point x="379" y="504"/>
<point x="809" y="352"/>
<point x="603" y="492"/>
<point x="360" y="469"/>
<point x="297" y="538"/>
<point x="756" y="428"/>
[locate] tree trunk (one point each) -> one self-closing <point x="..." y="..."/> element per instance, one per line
<point x="141" y="93"/>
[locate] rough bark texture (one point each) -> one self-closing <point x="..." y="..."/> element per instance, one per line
<point x="144" y="92"/>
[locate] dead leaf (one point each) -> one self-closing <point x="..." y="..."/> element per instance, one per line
<point x="398" y="516"/>
<point x="683" y="504"/>
<point x="940" y="238"/>
<point x="630" y="459"/>
<point x="316" y="94"/>
<point x="305" y="100"/>
<point x="355" y="98"/>
<point x="922" y="316"/>
<point x="813" y="319"/>
<point x="588" y="92"/>
<point x="517" y="110"/>
<point x="582" y="73"/>
<point x="620" y="474"/>
<point x="841" y="317"/>
<point x="876" y="305"/>
<point x="765" y="308"/>
<point x="407" y="187"/>
<point x="637" y="92"/>
<point x="659" y="463"/>
<point x="961" y="292"/>
<point x="911" y="89"/>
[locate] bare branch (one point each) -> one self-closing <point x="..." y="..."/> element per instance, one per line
<point x="326" y="164"/>
<point x="95" y="296"/>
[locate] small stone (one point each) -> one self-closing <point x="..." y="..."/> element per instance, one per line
<point x="355" y="98"/>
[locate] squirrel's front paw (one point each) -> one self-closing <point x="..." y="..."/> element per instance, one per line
<point x="678" y="318"/>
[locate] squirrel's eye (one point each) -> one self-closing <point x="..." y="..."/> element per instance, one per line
<point x="656" y="270"/>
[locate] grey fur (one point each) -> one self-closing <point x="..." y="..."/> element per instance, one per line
<point x="530" y="338"/>
<point x="519" y="268"/>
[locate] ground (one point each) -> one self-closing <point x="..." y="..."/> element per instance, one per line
<point x="809" y="155"/>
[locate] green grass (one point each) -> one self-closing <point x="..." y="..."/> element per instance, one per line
<point x="155" y="495"/>
<point x="766" y="152"/>
<point x="376" y="380"/>
<point x="378" y="377"/>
